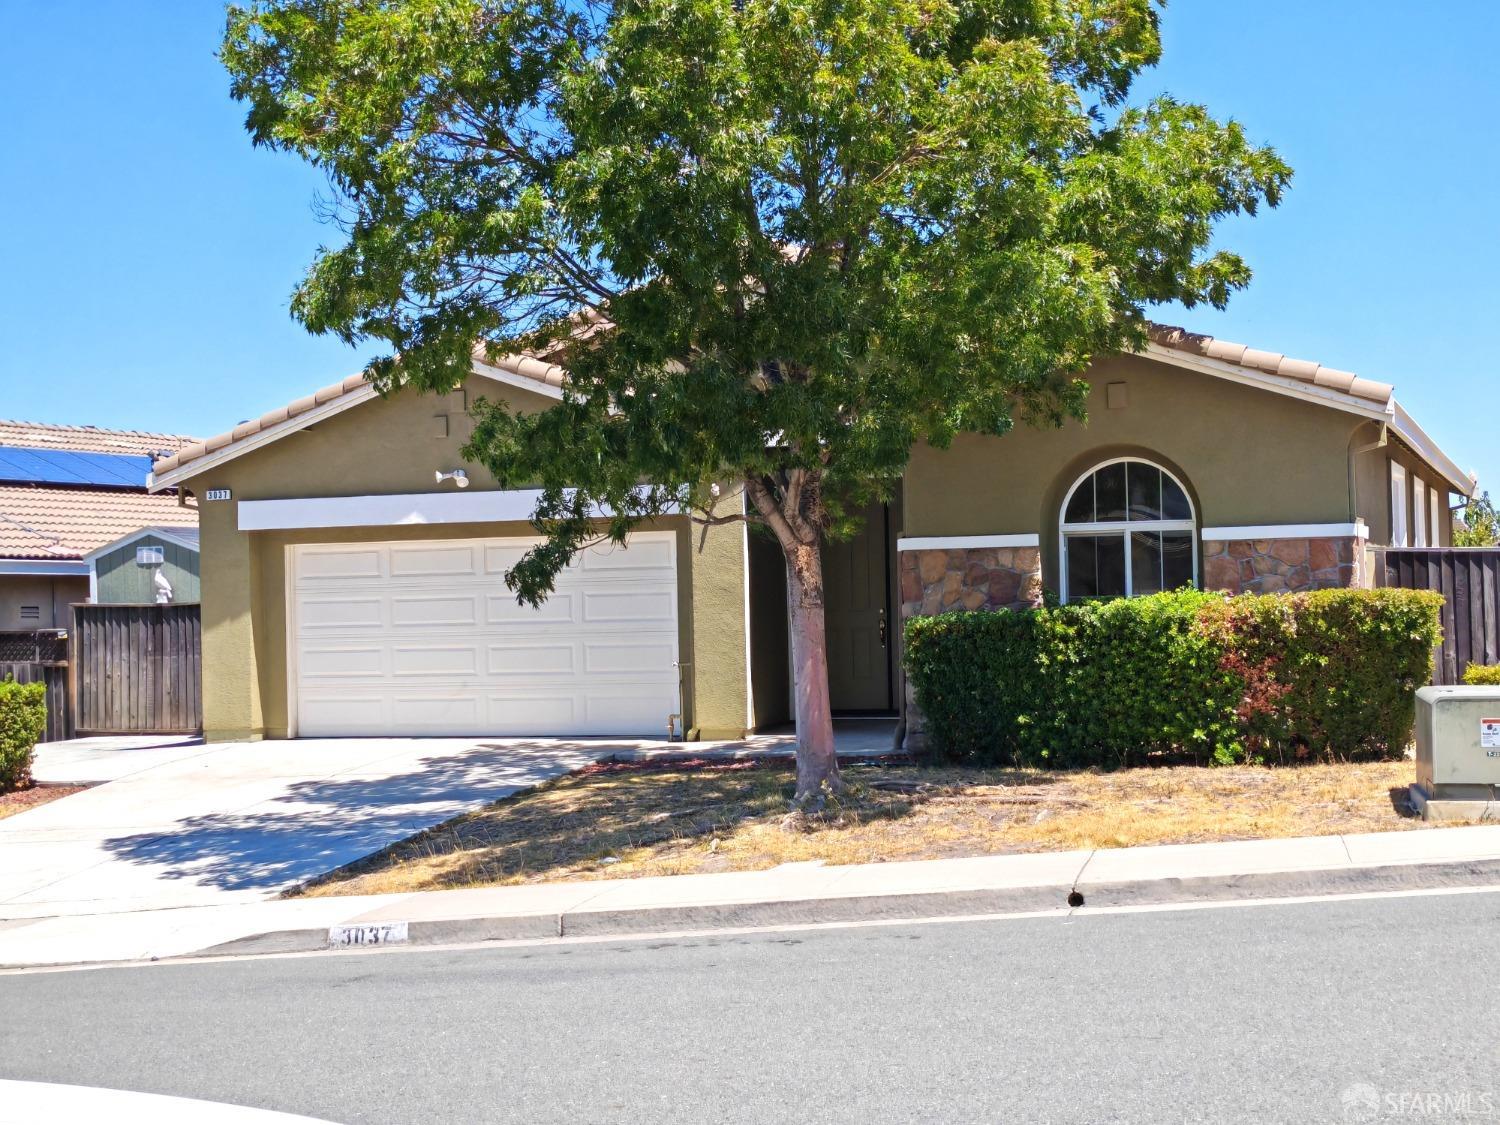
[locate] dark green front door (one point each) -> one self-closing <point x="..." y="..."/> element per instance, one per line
<point x="856" y="583"/>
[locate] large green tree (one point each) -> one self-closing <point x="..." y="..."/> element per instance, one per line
<point x="1480" y="526"/>
<point x="775" y="242"/>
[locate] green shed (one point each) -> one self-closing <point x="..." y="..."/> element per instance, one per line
<point x="154" y="564"/>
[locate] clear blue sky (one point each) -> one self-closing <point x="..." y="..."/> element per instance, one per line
<point x="149" y="251"/>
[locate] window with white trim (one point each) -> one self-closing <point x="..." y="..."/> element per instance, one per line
<point x="1127" y="528"/>
<point x="1419" y="514"/>
<point x="1434" y="506"/>
<point x="1398" y="506"/>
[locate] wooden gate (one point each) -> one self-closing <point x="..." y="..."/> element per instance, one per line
<point x="41" y="657"/>
<point x="1469" y="580"/>
<point x="136" y="669"/>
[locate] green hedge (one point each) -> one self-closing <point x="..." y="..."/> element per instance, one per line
<point x="1196" y="676"/>
<point x="1482" y="675"/>
<point x="23" y="718"/>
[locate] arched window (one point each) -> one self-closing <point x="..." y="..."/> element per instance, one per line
<point x="1127" y="528"/>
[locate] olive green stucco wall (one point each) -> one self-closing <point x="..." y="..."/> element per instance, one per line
<point x="394" y="445"/>
<point x="1372" y="485"/>
<point x="1247" y="456"/>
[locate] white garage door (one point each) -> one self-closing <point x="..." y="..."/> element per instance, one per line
<point x="424" y="638"/>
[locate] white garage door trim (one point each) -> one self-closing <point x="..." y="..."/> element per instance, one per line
<point x="599" y="658"/>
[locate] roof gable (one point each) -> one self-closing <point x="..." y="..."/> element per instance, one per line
<point x="524" y="372"/>
<point x="1272" y="371"/>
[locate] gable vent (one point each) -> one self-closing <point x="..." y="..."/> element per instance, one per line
<point x="31" y="613"/>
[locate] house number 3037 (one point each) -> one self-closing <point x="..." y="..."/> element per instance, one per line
<point x="216" y="494"/>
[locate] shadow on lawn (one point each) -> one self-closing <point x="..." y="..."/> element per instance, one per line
<point x="1401" y="801"/>
<point x="580" y="822"/>
<point x="319" y="825"/>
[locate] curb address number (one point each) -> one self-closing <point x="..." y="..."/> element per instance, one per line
<point x="381" y="933"/>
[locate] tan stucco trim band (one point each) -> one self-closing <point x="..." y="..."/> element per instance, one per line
<point x="389" y="510"/>
<point x="1355" y="530"/>
<point x="966" y="542"/>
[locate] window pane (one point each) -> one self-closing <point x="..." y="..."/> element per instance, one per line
<point x="1109" y="492"/>
<point x="1399" y="505"/>
<point x="1145" y="562"/>
<point x="1174" y="502"/>
<point x="1176" y="559"/>
<point x="1096" y="566"/>
<point x="1145" y="491"/>
<point x="1081" y="506"/>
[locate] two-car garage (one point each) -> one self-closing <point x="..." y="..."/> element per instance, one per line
<point x="422" y="637"/>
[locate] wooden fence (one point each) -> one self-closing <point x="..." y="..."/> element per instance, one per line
<point x="55" y="676"/>
<point x="41" y="657"/>
<point x="1469" y="580"/>
<point x="136" y="669"/>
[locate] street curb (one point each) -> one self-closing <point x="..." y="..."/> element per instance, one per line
<point x="895" y="907"/>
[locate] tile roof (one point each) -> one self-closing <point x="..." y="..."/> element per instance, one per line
<point x="51" y="522"/>
<point x="1272" y="363"/>
<point x="550" y="374"/>
<point x="88" y="439"/>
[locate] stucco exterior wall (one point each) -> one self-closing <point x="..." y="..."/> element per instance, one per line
<point x="52" y="595"/>
<point x="1246" y="455"/>
<point x="1371" y="486"/>
<point x="393" y="446"/>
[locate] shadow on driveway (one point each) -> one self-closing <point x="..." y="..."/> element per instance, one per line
<point x="318" y="825"/>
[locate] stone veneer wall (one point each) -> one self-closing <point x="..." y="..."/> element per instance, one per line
<point x="1269" y="566"/>
<point x="936" y="580"/>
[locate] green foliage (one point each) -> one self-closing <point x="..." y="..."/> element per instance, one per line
<point x="854" y="224"/>
<point x="23" y="718"/>
<point x="1194" y="676"/>
<point x="1481" y="524"/>
<point x="1482" y="675"/>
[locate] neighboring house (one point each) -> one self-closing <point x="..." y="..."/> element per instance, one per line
<point x="351" y="590"/>
<point x="154" y="564"/>
<point x="65" y="491"/>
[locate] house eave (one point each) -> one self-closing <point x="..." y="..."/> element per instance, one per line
<point x="55" y="568"/>
<point x="1277" y="384"/>
<point x="1414" y="436"/>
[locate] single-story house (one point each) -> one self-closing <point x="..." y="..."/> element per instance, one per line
<point x="64" y="492"/>
<point x="154" y="564"/>
<point x="353" y="588"/>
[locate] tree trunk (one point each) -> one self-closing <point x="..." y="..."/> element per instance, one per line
<point x="817" y="764"/>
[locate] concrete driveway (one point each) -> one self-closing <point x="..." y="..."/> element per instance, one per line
<point x="182" y="824"/>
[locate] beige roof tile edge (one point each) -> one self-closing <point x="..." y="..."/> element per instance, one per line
<point x="528" y="367"/>
<point x="1271" y="363"/>
<point x="551" y="375"/>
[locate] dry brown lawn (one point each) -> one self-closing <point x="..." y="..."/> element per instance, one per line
<point x="620" y="820"/>
<point x="22" y="799"/>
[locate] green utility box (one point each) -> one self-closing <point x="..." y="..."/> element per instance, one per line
<point x="1458" y="753"/>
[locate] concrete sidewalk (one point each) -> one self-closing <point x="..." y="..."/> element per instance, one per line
<point x="791" y="894"/>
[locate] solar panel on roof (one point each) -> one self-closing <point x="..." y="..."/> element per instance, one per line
<point x="65" y="466"/>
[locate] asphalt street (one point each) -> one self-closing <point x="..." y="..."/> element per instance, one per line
<point x="1380" y="1009"/>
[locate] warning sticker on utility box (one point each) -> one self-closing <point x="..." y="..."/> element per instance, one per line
<point x="1489" y="734"/>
